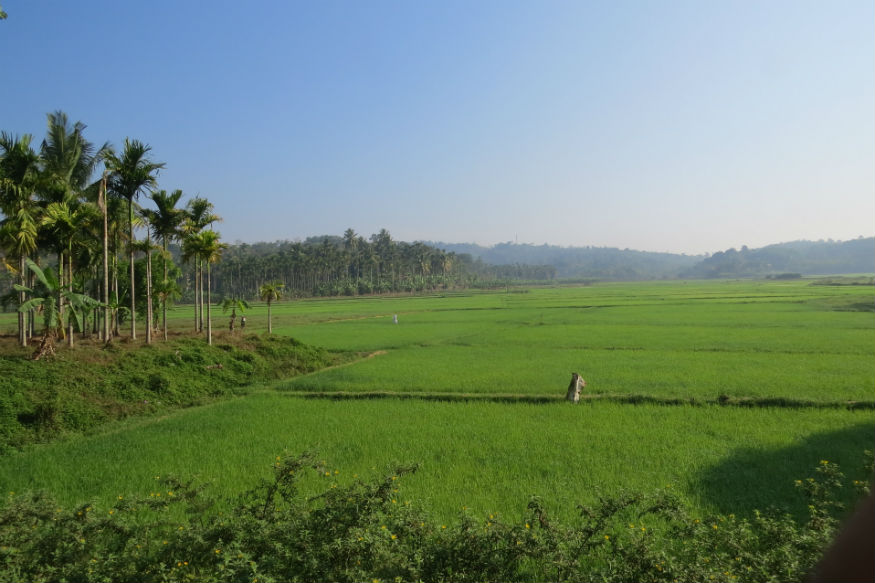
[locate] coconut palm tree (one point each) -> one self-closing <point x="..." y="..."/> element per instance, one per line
<point x="19" y="171"/>
<point x="146" y="246"/>
<point x="166" y="222"/>
<point x="131" y="174"/>
<point x="166" y="292"/>
<point x="199" y="215"/>
<point x="205" y="246"/>
<point x="269" y="292"/>
<point x="211" y="252"/>
<point x="67" y="159"/>
<point x="116" y="217"/>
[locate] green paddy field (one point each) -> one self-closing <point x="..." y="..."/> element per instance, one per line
<point x="725" y="391"/>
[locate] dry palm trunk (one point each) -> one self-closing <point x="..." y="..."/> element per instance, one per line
<point x="46" y="346"/>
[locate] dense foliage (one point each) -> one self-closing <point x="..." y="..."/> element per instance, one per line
<point x="369" y="532"/>
<point x="86" y="387"/>
<point x="56" y="209"/>
<point x="335" y="266"/>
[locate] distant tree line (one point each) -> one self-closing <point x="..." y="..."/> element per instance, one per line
<point x="608" y="263"/>
<point x="333" y="265"/>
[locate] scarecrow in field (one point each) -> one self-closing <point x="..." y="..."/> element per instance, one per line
<point x="577" y="384"/>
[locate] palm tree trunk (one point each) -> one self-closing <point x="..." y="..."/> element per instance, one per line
<point x="269" y="327"/>
<point x="131" y="243"/>
<point x="70" y="288"/>
<point x="164" y="303"/>
<point x="209" y="315"/>
<point x="60" y="289"/>
<point x="201" y="299"/>
<point x="196" y="278"/>
<point x="148" y="289"/>
<point x="114" y="313"/>
<point x="115" y="330"/>
<point x="105" y="261"/>
<point x="22" y="316"/>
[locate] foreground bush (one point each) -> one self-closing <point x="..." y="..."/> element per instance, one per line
<point x="364" y="532"/>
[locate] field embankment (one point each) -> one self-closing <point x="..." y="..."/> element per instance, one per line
<point x="88" y="385"/>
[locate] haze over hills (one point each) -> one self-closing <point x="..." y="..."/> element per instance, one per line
<point x="806" y="257"/>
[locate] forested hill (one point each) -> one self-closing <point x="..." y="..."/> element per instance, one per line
<point x="581" y="262"/>
<point x="804" y="257"/>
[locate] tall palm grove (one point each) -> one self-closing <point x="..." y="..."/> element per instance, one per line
<point x="93" y="247"/>
<point x="71" y="215"/>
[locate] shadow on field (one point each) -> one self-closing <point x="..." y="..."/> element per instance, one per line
<point x="761" y="479"/>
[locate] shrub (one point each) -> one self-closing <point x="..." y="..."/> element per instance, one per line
<point x="364" y="531"/>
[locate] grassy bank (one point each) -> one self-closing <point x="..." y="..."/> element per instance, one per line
<point x="88" y="385"/>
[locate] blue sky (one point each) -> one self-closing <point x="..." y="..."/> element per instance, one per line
<point x="654" y="125"/>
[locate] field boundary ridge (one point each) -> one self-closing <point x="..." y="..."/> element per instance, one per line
<point x="626" y="399"/>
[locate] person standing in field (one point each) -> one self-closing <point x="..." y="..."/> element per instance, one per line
<point x="395" y="319"/>
<point x="242" y="322"/>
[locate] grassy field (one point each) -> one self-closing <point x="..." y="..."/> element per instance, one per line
<point x="488" y="456"/>
<point x="700" y="340"/>
<point x="692" y="340"/>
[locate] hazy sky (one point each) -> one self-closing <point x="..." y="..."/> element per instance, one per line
<point x="655" y="125"/>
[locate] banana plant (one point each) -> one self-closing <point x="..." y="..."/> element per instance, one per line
<point x="234" y="304"/>
<point x="47" y="297"/>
